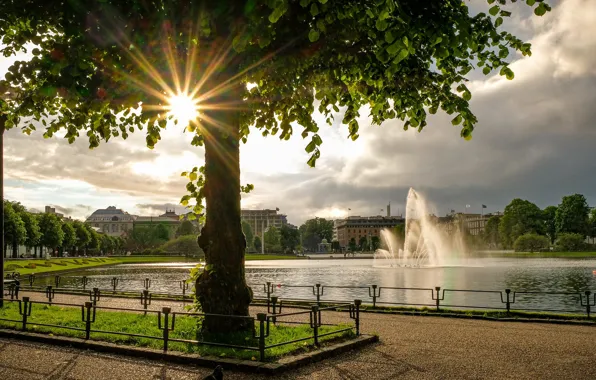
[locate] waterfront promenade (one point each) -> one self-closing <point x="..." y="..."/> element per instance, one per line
<point x="410" y="348"/>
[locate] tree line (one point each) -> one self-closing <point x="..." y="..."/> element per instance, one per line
<point x="525" y="227"/>
<point x="57" y="235"/>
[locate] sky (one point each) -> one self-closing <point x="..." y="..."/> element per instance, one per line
<point x="535" y="140"/>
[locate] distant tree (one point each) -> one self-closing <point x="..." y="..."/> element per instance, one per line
<point x="142" y="237"/>
<point x="289" y="238"/>
<point x="363" y="243"/>
<point x="69" y="240"/>
<point x="186" y="228"/>
<point x="94" y="240"/>
<point x="592" y="230"/>
<point x="106" y="244"/>
<point x="375" y="243"/>
<point x="184" y="245"/>
<point x="51" y="231"/>
<point x="520" y="217"/>
<point x="272" y="240"/>
<point x="572" y="215"/>
<point x="161" y="233"/>
<point x="15" y="232"/>
<point x="248" y="234"/>
<point x="569" y="242"/>
<point x="550" y="225"/>
<point x="490" y="235"/>
<point x="257" y="244"/>
<point x="313" y="231"/>
<point x="83" y="235"/>
<point x="32" y="226"/>
<point x="530" y="243"/>
<point x="352" y="245"/>
<point x="335" y="245"/>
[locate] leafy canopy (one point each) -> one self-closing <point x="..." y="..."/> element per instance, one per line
<point x="103" y="68"/>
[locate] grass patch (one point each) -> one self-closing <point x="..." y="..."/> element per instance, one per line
<point x="187" y="327"/>
<point x="24" y="267"/>
<point x="569" y="255"/>
<point x="482" y="313"/>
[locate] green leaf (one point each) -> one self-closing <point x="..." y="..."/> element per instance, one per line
<point x="531" y="2"/>
<point x="277" y="13"/>
<point x="381" y="25"/>
<point x="403" y="54"/>
<point x="389" y="37"/>
<point x="486" y="70"/>
<point x="467" y="95"/>
<point x="494" y="10"/>
<point x="314" y="9"/>
<point x="192" y="176"/>
<point x="498" y="22"/>
<point x="313" y="35"/>
<point x="540" y="10"/>
<point x="395" y="47"/>
<point x="456" y="120"/>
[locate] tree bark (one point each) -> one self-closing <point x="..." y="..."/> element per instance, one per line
<point x="221" y="288"/>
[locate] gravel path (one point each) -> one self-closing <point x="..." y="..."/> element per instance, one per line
<point x="410" y="348"/>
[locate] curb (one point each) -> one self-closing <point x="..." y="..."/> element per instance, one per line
<point x="285" y="364"/>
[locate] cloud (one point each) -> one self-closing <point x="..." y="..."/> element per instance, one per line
<point x="535" y="139"/>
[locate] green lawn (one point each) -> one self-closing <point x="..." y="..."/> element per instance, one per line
<point x="59" y="264"/>
<point x="24" y="267"/>
<point x="570" y="255"/>
<point x="186" y="327"/>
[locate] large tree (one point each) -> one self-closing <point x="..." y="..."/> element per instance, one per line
<point x="520" y="217"/>
<point x="15" y="232"/>
<point x="248" y="234"/>
<point x="70" y="237"/>
<point x="572" y="215"/>
<point x="94" y="61"/>
<point x="490" y="235"/>
<point x="32" y="227"/>
<point x="83" y="235"/>
<point x="550" y="226"/>
<point x="592" y="229"/>
<point x="313" y="231"/>
<point x="289" y="238"/>
<point x="51" y="231"/>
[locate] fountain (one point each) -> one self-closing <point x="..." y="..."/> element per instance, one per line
<point x="426" y="242"/>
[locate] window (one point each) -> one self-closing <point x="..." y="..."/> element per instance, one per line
<point x="114" y="228"/>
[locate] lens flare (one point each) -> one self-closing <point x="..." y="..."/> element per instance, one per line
<point x="183" y="108"/>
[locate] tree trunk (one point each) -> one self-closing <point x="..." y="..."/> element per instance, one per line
<point x="221" y="288"/>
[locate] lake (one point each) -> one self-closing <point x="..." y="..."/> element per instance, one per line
<point x="522" y="275"/>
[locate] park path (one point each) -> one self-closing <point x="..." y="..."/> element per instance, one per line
<point x="410" y="348"/>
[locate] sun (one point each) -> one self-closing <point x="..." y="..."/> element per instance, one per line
<point x="183" y="108"/>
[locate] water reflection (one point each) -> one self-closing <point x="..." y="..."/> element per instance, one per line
<point x="488" y="274"/>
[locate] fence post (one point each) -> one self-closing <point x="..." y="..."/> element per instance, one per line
<point x="184" y="287"/>
<point x="84" y="281"/>
<point x="268" y="291"/>
<point x="508" y="291"/>
<point x="588" y="302"/>
<point x="50" y="293"/>
<point x="357" y="304"/>
<point x="147" y="283"/>
<point x="31" y="280"/>
<point x="145" y="299"/>
<point x="273" y="307"/>
<point x="318" y="294"/>
<point x="315" y="323"/>
<point x="166" y="326"/>
<point x="25" y="311"/>
<point x="261" y="317"/>
<point x="374" y="295"/>
<point x="94" y="296"/>
<point x="57" y="281"/>
<point x="88" y="318"/>
<point x="438" y="289"/>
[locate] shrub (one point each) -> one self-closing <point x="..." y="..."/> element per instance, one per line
<point x="530" y="243"/>
<point x="30" y="266"/>
<point x="12" y="267"/>
<point x="568" y="242"/>
<point x="184" y="245"/>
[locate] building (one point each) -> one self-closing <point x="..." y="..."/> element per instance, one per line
<point x="356" y="227"/>
<point x="473" y="223"/>
<point x="52" y="210"/>
<point x="111" y="221"/>
<point x="260" y="220"/>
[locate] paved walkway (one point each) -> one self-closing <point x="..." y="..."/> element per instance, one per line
<point x="410" y="348"/>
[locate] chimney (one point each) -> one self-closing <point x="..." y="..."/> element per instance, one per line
<point x="389" y="210"/>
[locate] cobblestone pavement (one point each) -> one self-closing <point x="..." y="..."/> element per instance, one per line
<point x="410" y="348"/>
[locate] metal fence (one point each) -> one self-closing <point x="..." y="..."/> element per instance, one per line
<point x="166" y="322"/>
<point x="582" y="302"/>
